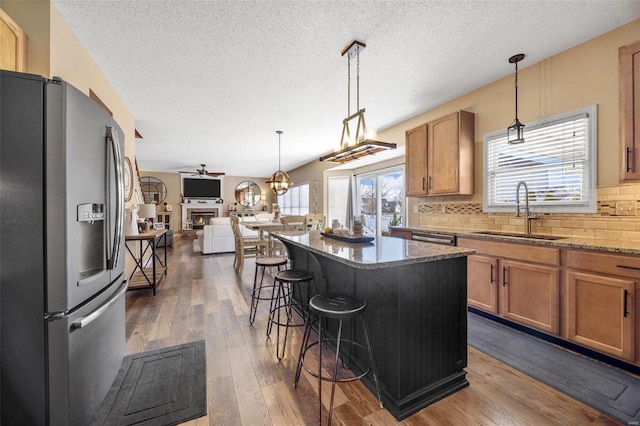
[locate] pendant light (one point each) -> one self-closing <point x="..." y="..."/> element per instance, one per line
<point x="363" y="142"/>
<point x="280" y="181"/>
<point x="515" y="132"/>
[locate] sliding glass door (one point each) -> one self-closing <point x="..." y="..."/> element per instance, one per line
<point x="380" y="199"/>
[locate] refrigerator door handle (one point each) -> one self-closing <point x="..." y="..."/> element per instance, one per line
<point x="85" y="321"/>
<point x="119" y="228"/>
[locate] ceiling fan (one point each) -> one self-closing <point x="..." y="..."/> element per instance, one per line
<point x="203" y="172"/>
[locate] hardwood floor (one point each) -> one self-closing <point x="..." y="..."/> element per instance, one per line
<point x="203" y="298"/>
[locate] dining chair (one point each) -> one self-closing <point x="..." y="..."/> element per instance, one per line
<point x="294" y="223"/>
<point x="245" y="246"/>
<point x="315" y="221"/>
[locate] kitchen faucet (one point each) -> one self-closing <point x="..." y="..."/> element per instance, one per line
<point x="527" y="216"/>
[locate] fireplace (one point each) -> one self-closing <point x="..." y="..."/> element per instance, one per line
<point x="201" y="218"/>
<point x="196" y="215"/>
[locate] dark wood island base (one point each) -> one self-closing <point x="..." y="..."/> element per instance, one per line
<point x="416" y="297"/>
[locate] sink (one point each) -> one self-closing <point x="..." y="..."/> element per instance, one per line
<point x="513" y="234"/>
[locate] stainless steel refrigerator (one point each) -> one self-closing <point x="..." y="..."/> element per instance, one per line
<point x="62" y="331"/>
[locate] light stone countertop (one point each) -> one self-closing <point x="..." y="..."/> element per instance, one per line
<point x="382" y="252"/>
<point x="585" y="243"/>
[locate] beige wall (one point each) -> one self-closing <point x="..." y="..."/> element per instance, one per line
<point x="54" y="50"/>
<point x="71" y="62"/>
<point x="584" y="75"/>
<point x="174" y="196"/>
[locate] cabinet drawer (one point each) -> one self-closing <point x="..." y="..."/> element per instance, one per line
<point x="525" y="252"/>
<point x="602" y="263"/>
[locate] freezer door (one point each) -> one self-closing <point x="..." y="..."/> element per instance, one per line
<point x="78" y="163"/>
<point x="85" y="354"/>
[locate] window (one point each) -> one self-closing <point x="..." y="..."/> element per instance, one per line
<point x="380" y="199"/>
<point x="557" y="161"/>
<point x="337" y="199"/>
<point x="295" y="201"/>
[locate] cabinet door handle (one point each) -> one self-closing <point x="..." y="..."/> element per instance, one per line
<point x="423" y="181"/>
<point x="430" y="186"/>
<point x="628" y="267"/>
<point x="628" y="151"/>
<point x="492" y="280"/>
<point x="626" y="294"/>
<point x="504" y="276"/>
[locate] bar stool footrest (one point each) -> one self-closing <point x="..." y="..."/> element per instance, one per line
<point x="274" y="321"/>
<point x="266" y="288"/>
<point x="330" y="378"/>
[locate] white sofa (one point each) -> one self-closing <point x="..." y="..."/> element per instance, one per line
<point x="217" y="237"/>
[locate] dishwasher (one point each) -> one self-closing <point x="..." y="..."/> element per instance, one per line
<point x="434" y="238"/>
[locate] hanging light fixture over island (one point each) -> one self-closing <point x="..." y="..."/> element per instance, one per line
<point x="363" y="142"/>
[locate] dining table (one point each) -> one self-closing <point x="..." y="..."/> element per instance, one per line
<point x="264" y="227"/>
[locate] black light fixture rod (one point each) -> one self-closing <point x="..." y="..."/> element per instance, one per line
<point x="348" y="85"/>
<point x="358" y="78"/>
<point x="514" y="60"/>
<point x="351" y="49"/>
<point x="516" y="90"/>
<point x="279" y="132"/>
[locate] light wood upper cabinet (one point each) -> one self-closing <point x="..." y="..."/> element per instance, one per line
<point x="439" y="156"/>
<point x="416" y="160"/>
<point x="629" y="69"/>
<point x="13" y="45"/>
<point x="450" y="154"/>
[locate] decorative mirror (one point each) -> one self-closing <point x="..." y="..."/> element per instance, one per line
<point x="153" y="190"/>
<point x="248" y="194"/>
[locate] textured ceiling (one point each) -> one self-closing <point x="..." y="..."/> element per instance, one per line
<point x="211" y="81"/>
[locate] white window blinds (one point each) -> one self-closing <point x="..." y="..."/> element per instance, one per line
<point x="295" y="201"/>
<point x="557" y="161"/>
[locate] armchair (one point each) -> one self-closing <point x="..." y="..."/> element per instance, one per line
<point x="217" y="236"/>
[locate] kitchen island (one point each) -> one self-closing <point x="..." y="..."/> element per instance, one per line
<point x="416" y="297"/>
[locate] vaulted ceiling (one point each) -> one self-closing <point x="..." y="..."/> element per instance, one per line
<point x="211" y="81"/>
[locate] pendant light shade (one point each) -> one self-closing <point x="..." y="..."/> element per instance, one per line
<point x="363" y="142"/>
<point x="279" y="181"/>
<point x="515" y="132"/>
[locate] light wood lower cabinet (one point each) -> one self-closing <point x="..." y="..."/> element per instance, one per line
<point x="601" y="302"/>
<point x="482" y="283"/>
<point x="588" y="297"/>
<point x="530" y="294"/>
<point x="600" y="313"/>
<point x="519" y="282"/>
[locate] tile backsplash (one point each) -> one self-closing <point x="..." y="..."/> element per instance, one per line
<point x="467" y="215"/>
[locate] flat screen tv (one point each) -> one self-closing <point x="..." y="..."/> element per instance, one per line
<point x="201" y="188"/>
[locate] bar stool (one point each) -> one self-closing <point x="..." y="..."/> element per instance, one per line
<point x="264" y="263"/>
<point x="285" y="284"/>
<point x="338" y="306"/>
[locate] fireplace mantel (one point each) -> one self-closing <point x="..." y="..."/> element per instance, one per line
<point x="200" y="206"/>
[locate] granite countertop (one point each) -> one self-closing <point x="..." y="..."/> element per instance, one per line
<point x="382" y="252"/>
<point x="587" y="243"/>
